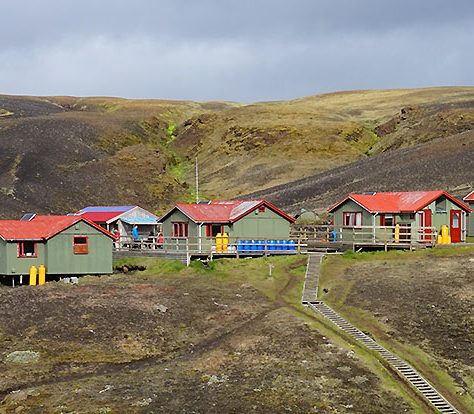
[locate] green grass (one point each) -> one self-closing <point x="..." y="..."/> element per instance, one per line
<point x="332" y="278"/>
<point x="256" y="272"/>
<point x="451" y="250"/>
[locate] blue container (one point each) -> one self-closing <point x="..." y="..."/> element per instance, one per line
<point x="261" y="245"/>
<point x="281" y="245"/>
<point x="291" y="245"/>
<point x="250" y="246"/>
<point x="270" y="245"/>
<point x="245" y="245"/>
<point x="240" y="246"/>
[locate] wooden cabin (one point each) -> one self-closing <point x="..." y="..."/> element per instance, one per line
<point x="469" y="200"/>
<point x="122" y="219"/>
<point x="66" y="245"/>
<point x="415" y="212"/>
<point x="239" y="219"/>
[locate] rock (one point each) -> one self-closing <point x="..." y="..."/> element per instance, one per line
<point x="162" y="308"/>
<point x="108" y="387"/>
<point x="74" y="279"/>
<point x="22" y="357"/>
<point x="143" y="403"/>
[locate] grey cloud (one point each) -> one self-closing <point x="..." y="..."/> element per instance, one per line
<point x="234" y="50"/>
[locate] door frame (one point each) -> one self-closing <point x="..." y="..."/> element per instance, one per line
<point x="455" y="232"/>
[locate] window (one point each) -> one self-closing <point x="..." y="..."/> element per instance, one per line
<point x="27" y="249"/>
<point x="261" y="209"/>
<point x="180" y="229"/>
<point x="352" y="219"/>
<point x="213" y="229"/>
<point x="80" y="244"/>
<point x="387" y="220"/>
<point x="440" y="206"/>
<point x="455" y="220"/>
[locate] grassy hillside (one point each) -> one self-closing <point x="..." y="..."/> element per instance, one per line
<point x="224" y="338"/>
<point x="424" y="316"/>
<point x="444" y="163"/>
<point x="60" y="153"/>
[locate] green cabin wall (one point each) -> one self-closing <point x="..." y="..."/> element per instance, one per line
<point x="255" y="225"/>
<point x="267" y="224"/>
<point x="470" y="221"/>
<point x="261" y="225"/>
<point x="15" y="265"/>
<point x="440" y="209"/>
<point x="58" y="256"/>
<point x="3" y="257"/>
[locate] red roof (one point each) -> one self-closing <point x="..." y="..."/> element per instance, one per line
<point x="469" y="197"/>
<point x="227" y="211"/>
<point x="41" y="227"/>
<point x="100" y="217"/>
<point x="398" y="202"/>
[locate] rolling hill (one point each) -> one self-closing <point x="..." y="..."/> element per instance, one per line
<point x="61" y="153"/>
<point x="443" y="163"/>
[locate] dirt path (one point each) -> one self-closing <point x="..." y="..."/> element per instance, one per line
<point x="182" y="354"/>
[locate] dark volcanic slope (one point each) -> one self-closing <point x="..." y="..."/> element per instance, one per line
<point x="445" y="163"/>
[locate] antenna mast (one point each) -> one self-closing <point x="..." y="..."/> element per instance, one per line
<point x="197" y="182"/>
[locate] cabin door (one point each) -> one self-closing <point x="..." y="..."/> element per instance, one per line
<point x="455" y="226"/>
<point x="428" y="222"/>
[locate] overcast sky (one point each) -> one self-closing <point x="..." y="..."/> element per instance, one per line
<point x="238" y="50"/>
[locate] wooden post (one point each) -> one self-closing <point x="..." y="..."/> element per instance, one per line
<point x="299" y="245"/>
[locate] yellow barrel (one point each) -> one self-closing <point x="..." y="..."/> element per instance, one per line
<point x="225" y="241"/>
<point x="219" y="242"/>
<point x="33" y="275"/>
<point x="41" y="275"/>
<point x="397" y="233"/>
<point x="440" y="239"/>
<point x="446" y="239"/>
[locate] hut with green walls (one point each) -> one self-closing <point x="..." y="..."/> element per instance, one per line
<point x="415" y="212"/>
<point x="65" y="245"/>
<point x="469" y="199"/>
<point x="200" y="223"/>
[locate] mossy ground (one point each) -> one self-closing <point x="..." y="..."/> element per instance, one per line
<point x="232" y="339"/>
<point x="417" y="304"/>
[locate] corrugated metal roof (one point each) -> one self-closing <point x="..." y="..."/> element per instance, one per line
<point x="224" y="211"/>
<point x="398" y="202"/>
<point x="103" y="209"/>
<point x="139" y="220"/>
<point x="100" y="217"/>
<point x="102" y="214"/>
<point x="41" y="227"/>
<point x="469" y="197"/>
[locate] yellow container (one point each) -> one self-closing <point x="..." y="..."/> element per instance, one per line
<point x="219" y="242"/>
<point x="41" y="275"/>
<point x="225" y="241"/>
<point x="446" y="238"/>
<point x="33" y="272"/>
<point x="397" y="233"/>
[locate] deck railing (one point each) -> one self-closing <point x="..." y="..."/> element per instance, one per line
<point x="369" y="235"/>
<point x="358" y="236"/>
<point x="211" y="245"/>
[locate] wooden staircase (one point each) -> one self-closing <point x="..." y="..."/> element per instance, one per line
<point x="413" y="377"/>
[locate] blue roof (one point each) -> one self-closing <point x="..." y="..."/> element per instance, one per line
<point x="104" y="209"/>
<point x="140" y="220"/>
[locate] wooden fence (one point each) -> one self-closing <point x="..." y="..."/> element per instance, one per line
<point x="329" y="237"/>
